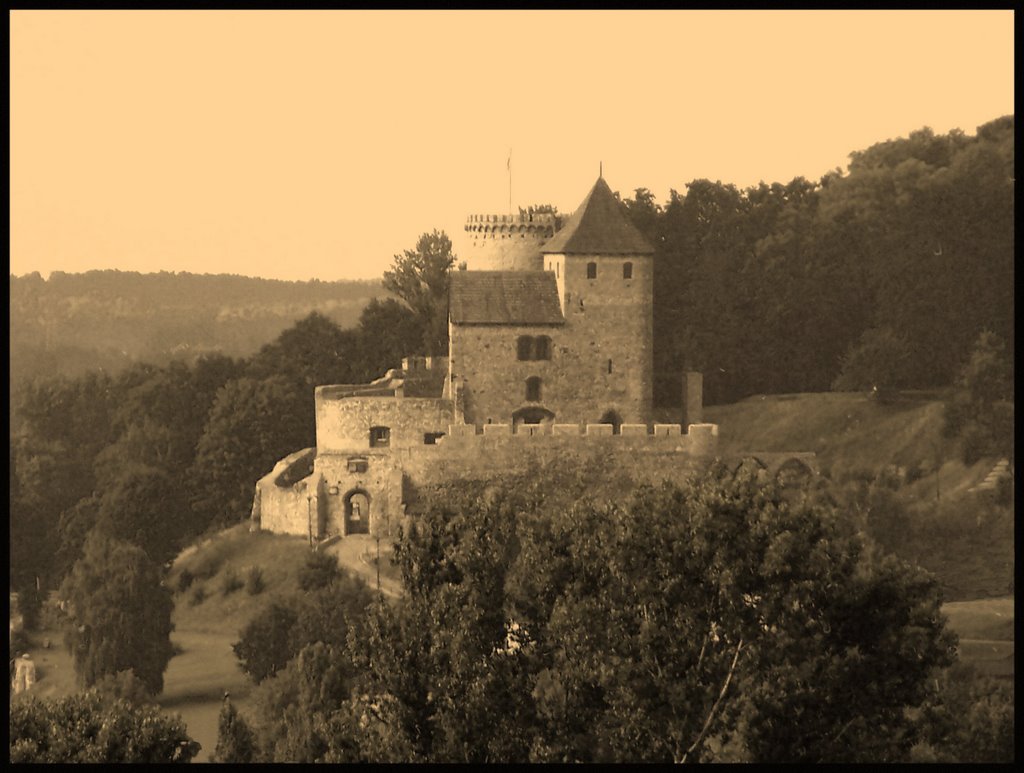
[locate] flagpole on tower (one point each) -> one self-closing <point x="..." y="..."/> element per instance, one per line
<point x="509" y="180"/>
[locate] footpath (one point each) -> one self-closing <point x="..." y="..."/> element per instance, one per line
<point x="356" y="553"/>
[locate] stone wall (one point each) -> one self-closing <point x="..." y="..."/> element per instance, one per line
<point x="486" y="357"/>
<point x="376" y="474"/>
<point x="284" y="507"/>
<point x="609" y="324"/>
<point x="343" y="424"/>
<point x="644" y="458"/>
<point x="318" y="503"/>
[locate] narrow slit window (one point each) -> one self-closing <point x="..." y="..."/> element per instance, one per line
<point x="533" y="389"/>
<point x="609" y="366"/>
<point x="627" y="270"/>
<point x="591" y="270"/>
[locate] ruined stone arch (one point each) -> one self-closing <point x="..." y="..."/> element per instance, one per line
<point x="794" y="471"/>
<point x="753" y="466"/>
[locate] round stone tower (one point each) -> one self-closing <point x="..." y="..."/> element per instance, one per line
<point x="509" y="242"/>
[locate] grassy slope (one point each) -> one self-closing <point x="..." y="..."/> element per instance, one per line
<point x="206" y="666"/>
<point x="848" y="430"/>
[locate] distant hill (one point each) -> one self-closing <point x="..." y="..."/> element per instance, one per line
<point x="71" y="323"/>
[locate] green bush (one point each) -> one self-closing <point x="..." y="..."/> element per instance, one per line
<point x="185" y="579"/>
<point x="914" y="473"/>
<point x="254" y="582"/>
<point x="206" y="567"/>
<point x="319" y="571"/>
<point x="231" y="582"/>
<point x="124" y="685"/>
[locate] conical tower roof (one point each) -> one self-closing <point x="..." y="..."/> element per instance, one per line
<point x="599" y="226"/>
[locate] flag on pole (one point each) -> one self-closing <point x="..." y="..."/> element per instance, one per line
<point x="509" y="164"/>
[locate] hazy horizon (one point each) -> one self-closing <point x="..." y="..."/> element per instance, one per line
<point x="295" y="145"/>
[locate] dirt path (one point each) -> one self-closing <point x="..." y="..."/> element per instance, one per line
<point x="350" y="553"/>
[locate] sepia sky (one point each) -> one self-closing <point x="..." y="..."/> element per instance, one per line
<point x="317" y="144"/>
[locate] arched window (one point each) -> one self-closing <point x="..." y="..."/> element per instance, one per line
<point x="542" y="348"/>
<point x="524" y="347"/>
<point x="627" y="270"/>
<point x="380" y="437"/>
<point x="533" y="389"/>
<point x="591" y="270"/>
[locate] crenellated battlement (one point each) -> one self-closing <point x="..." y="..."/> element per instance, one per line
<point x="418" y="364"/>
<point x="699" y="439"/>
<point x="541" y="223"/>
<point x="510" y="242"/>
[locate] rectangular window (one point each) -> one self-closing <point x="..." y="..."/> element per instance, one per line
<point x="380" y="437"/>
<point x="591" y="271"/>
<point x="431" y="438"/>
<point x="357" y="464"/>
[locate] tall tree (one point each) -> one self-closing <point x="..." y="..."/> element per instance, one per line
<point x="420" y="278"/>
<point x="388" y="331"/>
<point x="119" y="613"/>
<point x="251" y="425"/>
<point x="236" y="742"/>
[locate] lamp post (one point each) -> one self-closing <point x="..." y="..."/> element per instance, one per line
<point x="309" y="516"/>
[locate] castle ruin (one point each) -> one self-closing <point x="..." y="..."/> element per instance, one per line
<point x="550" y="361"/>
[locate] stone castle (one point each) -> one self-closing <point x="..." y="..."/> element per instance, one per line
<point x="550" y="361"/>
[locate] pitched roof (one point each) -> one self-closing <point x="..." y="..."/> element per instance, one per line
<point x="504" y="297"/>
<point x="599" y="226"/>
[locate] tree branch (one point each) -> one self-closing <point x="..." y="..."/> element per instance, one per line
<point x="718" y="701"/>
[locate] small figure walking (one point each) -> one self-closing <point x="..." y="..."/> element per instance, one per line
<point x="24" y="674"/>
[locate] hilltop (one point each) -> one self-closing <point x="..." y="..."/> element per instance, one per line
<point x="70" y="323"/>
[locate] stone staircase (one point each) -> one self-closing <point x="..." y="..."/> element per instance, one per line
<point x="1000" y="471"/>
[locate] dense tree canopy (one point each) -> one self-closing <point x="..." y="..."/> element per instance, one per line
<point x="252" y="424"/>
<point x="420" y="278"/>
<point x="720" y="621"/>
<point x="766" y="289"/>
<point x="118" y="613"/>
<point x="87" y="728"/>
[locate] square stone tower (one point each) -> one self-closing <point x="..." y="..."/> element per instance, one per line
<point x="570" y="343"/>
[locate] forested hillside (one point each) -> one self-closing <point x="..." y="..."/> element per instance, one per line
<point x="884" y="275"/>
<point x="70" y="323"/>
